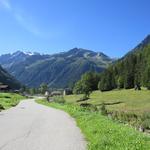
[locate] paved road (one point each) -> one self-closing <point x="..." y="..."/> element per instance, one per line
<point x="31" y="126"/>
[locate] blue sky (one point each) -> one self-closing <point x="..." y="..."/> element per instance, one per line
<point x="50" y="26"/>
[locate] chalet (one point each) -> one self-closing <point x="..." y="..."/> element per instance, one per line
<point x="56" y="93"/>
<point x="67" y="92"/>
<point x="4" y="88"/>
<point x="47" y="93"/>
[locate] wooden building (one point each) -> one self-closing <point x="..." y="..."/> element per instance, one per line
<point x="56" y="93"/>
<point x="67" y="91"/>
<point x="4" y="88"/>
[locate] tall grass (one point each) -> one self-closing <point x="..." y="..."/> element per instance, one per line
<point x="8" y="100"/>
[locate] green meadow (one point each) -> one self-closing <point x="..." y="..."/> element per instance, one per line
<point x="127" y="100"/>
<point x="8" y="100"/>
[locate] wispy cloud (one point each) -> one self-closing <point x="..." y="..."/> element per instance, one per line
<point x="26" y="21"/>
<point x="5" y="4"/>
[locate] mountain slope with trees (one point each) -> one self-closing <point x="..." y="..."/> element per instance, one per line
<point x="6" y="78"/>
<point x="132" y="70"/>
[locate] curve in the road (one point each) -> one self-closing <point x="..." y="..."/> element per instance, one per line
<point x="31" y="126"/>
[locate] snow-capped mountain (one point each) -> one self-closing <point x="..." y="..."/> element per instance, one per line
<point x="58" y="70"/>
<point x="12" y="58"/>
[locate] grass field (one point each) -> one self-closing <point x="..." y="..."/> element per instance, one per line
<point x="101" y="132"/>
<point x="131" y="100"/>
<point x="8" y="100"/>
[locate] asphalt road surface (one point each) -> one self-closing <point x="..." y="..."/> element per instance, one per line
<point x="31" y="126"/>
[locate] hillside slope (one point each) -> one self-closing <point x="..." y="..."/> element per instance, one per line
<point x="133" y="69"/>
<point x="58" y="70"/>
<point x="7" y="79"/>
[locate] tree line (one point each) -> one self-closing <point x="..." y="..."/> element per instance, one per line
<point x="32" y="91"/>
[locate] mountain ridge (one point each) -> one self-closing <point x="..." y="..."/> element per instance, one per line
<point x="57" y="70"/>
<point x="132" y="70"/>
<point x="140" y="46"/>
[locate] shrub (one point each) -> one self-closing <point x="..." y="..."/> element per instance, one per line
<point x="103" y="109"/>
<point x="84" y="98"/>
<point x="145" y="119"/>
<point x="89" y="106"/>
<point x="125" y="117"/>
<point x="7" y="97"/>
<point x="59" y="99"/>
<point x="146" y="124"/>
<point x="1" y="107"/>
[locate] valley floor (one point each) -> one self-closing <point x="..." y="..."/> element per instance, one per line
<point x="127" y="100"/>
<point x="127" y="106"/>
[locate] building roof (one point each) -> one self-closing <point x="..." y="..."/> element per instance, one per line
<point x="56" y="92"/>
<point x="3" y="86"/>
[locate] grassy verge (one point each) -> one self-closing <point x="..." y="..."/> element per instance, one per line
<point x="103" y="133"/>
<point x="8" y="100"/>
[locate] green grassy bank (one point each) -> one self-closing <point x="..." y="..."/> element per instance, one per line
<point x="101" y="132"/>
<point x="127" y="106"/>
<point x="8" y="100"/>
<point x="131" y="100"/>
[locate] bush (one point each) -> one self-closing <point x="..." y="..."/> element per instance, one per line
<point x="103" y="109"/>
<point x="145" y="120"/>
<point x="59" y="99"/>
<point x="7" y="97"/>
<point x="1" y="107"/>
<point x="89" y="107"/>
<point x="125" y="117"/>
<point x="146" y="124"/>
<point x="84" y="98"/>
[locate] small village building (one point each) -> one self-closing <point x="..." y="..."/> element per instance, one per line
<point x="67" y="92"/>
<point x="4" y="88"/>
<point x="47" y="93"/>
<point x="16" y="91"/>
<point x="56" y="93"/>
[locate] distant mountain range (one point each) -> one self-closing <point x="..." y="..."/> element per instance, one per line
<point x="58" y="70"/>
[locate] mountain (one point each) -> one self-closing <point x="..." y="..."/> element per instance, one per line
<point x="140" y="46"/>
<point x="144" y="43"/>
<point x="130" y="71"/>
<point x="7" y="60"/>
<point x="6" y="78"/>
<point x="57" y="70"/>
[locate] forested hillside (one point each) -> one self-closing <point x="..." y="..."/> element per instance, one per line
<point x="130" y="71"/>
<point x="6" y="78"/>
